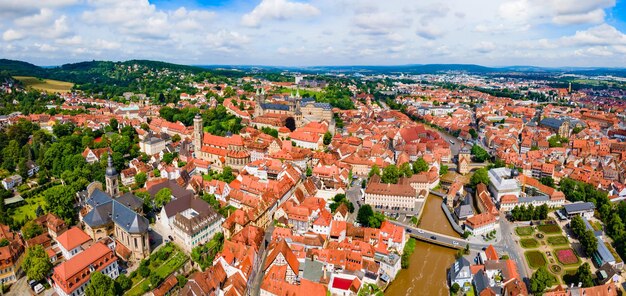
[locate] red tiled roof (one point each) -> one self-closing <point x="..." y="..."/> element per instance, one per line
<point x="73" y="238"/>
<point x="342" y="284"/>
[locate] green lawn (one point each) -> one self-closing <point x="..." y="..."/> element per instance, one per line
<point x="529" y="243"/>
<point x="558" y="240"/>
<point x="27" y="210"/>
<point x="524" y="231"/>
<point x="549" y="228"/>
<point x="535" y="259"/>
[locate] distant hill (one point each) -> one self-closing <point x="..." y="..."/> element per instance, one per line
<point x="75" y="72"/>
<point x="19" y="68"/>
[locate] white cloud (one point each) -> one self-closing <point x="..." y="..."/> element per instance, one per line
<point x="429" y="32"/>
<point x="599" y="35"/>
<point x="44" y="17"/>
<point x="591" y="17"/>
<point x="278" y="10"/>
<point x="485" y="47"/>
<point x="12" y="35"/>
<point x="227" y="41"/>
<point x="561" y="12"/>
<point x="20" y="8"/>
<point x="378" y="23"/>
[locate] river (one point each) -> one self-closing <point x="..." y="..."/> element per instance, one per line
<point x="426" y="274"/>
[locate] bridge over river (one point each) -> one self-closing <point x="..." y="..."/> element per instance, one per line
<point x="439" y="238"/>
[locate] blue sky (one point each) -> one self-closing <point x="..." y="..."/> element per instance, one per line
<point x="317" y="32"/>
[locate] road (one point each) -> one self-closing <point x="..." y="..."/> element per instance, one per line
<point x="256" y="277"/>
<point x="354" y="195"/>
<point x="506" y="246"/>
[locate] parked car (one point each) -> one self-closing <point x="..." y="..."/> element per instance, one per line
<point x="433" y="237"/>
<point x="455" y="243"/>
<point x="409" y="230"/>
<point x="420" y="231"/>
<point x="170" y="237"/>
<point x="32" y="284"/>
<point x="39" y="288"/>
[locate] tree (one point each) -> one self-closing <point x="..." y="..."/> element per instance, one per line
<point x="406" y="169"/>
<point x="364" y="214"/>
<point x="100" y="285"/>
<point x="31" y="229"/>
<point x="374" y="171"/>
<point x="113" y="124"/>
<point x="22" y="170"/>
<point x="143" y="271"/>
<point x="176" y="138"/>
<point x="391" y="174"/>
<point x="473" y="133"/>
<point x="162" y="197"/>
<point x="227" y="174"/>
<point x="36" y="263"/>
<point x="60" y="200"/>
<point x="420" y="165"/>
<point x="540" y="280"/>
<point x="328" y="137"/>
<point x="480" y="154"/>
<point x="155" y="279"/>
<point x="140" y="179"/>
<point x="443" y="169"/>
<point x="376" y="220"/>
<point x="584" y="275"/>
<point x="455" y="288"/>
<point x="309" y="171"/>
<point x="123" y="284"/>
<point x="168" y="158"/>
<point x="547" y="180"/>
<point x="480" y="176"/>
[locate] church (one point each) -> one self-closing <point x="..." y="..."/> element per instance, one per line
<point x="295" y="111"/>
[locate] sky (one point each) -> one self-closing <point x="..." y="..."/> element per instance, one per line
<point x="549" y="33"/>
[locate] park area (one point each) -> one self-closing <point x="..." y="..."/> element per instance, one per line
<point x="524" y="230"/>
<point x="535" y="259"/>
<point x="155" y="269"/>
<point x="546" y="246"/>
<point x="48" y="85"/>
<point x="567" y="256"/>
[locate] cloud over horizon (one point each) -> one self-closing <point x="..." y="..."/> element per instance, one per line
<point x="317" y="32"/>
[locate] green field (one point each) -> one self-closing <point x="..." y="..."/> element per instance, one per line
<point x="558" y="240"/>
<point x="524" y="231"/>
<point x="529" y="243"/>
<point x="48" y="85"/>
<point x="27" y="210"/>
<point x="535" y="259"/>
<point x="549" y="228"/>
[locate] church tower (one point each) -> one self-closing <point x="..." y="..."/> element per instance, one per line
<point x="259" y="98"/>
<point x="197" y="133"/>
<point x="111" y="179"/>
<point x="298" y="112"/>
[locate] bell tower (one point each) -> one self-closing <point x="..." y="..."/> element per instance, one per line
<point x="111" y="179"/>
<point x="298" y="112"/>
<point x="197" y="133"/>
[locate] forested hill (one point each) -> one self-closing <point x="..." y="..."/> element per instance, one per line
<point x="110" y="79"/>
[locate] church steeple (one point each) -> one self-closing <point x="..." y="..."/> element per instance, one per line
<point x="111" y="178"/>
